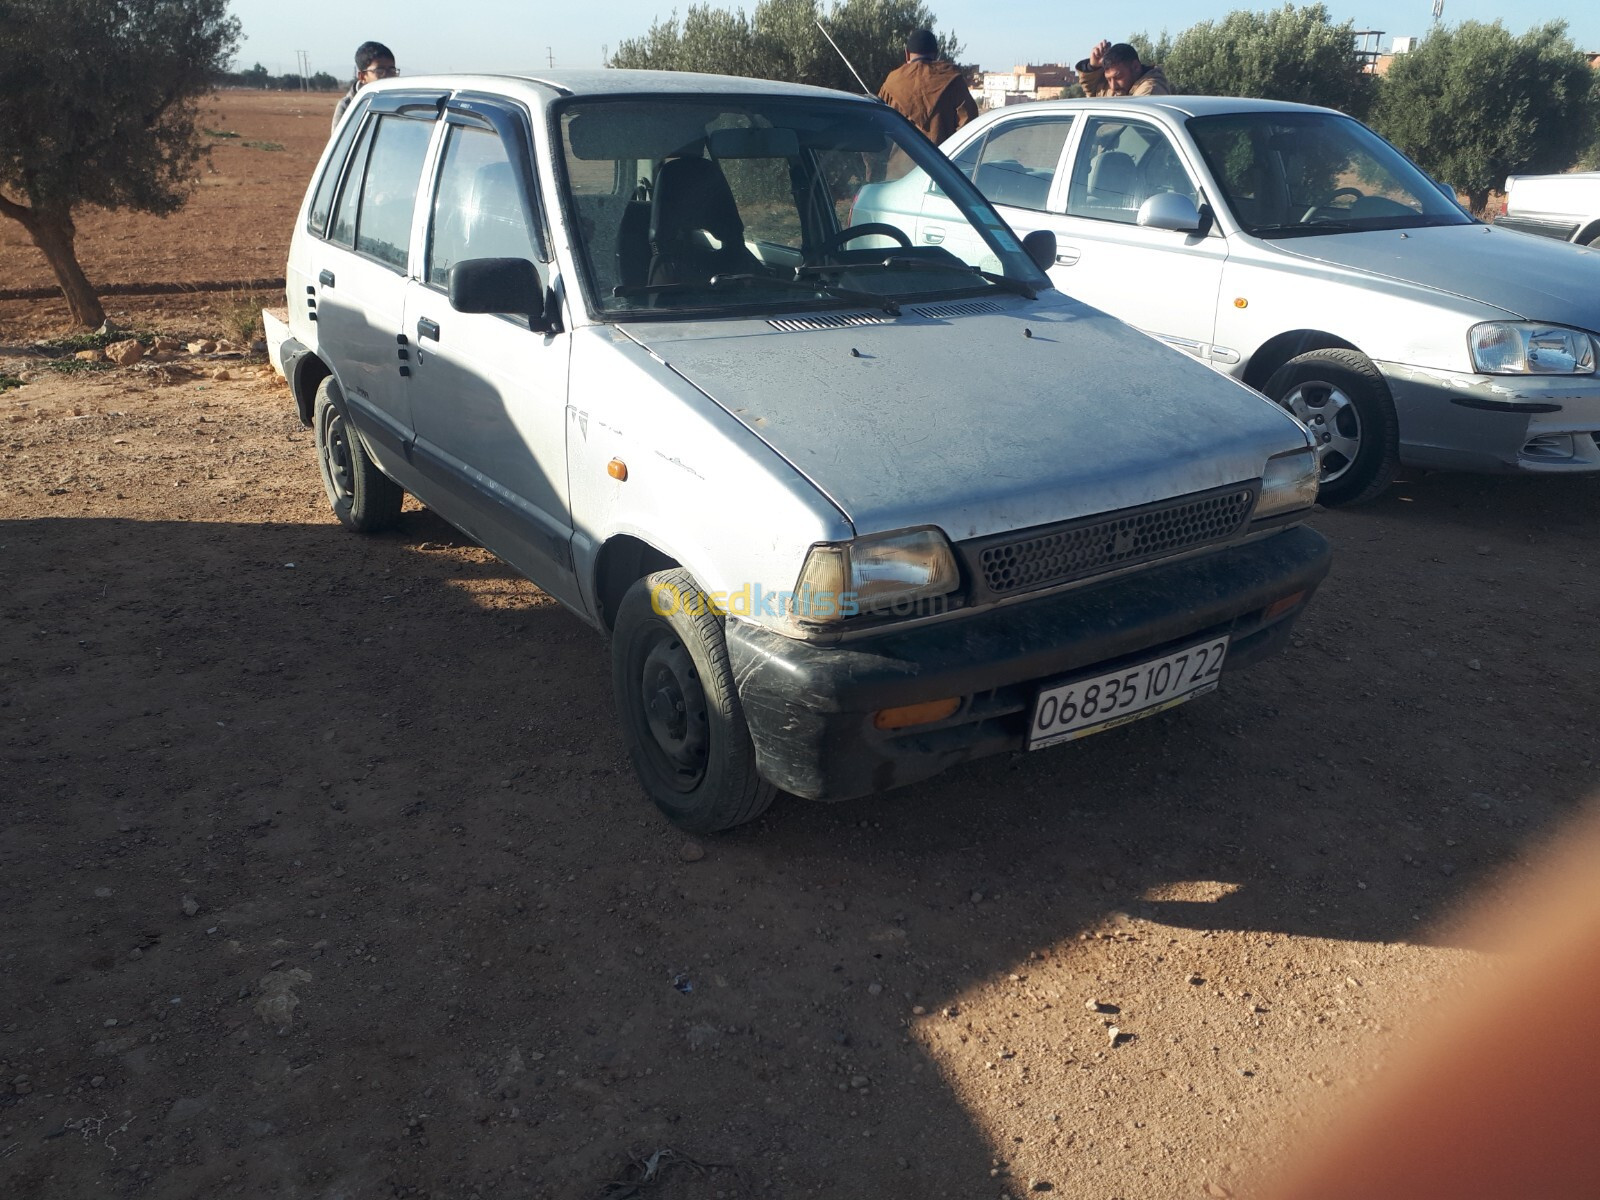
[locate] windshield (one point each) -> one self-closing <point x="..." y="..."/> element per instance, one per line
<point x="732" y="203"/>
<point x="1291" y="174"/>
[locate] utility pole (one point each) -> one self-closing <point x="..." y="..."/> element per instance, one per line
<point x="550" y="55"/>
<point x="302" y="61"/>
<point x="1438" y="10"/>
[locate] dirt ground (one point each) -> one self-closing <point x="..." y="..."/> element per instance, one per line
<point x="326" y="876"/>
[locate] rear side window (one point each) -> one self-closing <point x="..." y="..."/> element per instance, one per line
<point x="344" y="217"/>
<point x="322" y="203"/>
<point x="1018" y="162"/>
<point x="478" y="211"/>
<point x="389" y="190"/>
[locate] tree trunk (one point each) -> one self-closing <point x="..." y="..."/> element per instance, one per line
<point x="55" y="234"/>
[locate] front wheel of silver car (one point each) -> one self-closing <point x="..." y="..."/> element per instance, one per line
<point x="679" y="708"/>
<point x="1343" y="400"/>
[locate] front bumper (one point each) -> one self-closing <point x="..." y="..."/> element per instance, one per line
<point x="1496" y="424"/>
<point x="810" y="707"/>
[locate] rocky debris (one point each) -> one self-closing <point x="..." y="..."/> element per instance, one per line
<point x="90" y="356"/>
<point x="222" y="374"/>
<point x="125" y="353"/>
<point x="1040" y="1185"/>
<point x="166" y="345"/>
<point x="1101" y="1006"/>
<point x="202" y="347"/>
<point x="691" y="851"/>
<point x="1196" y="980"/>
<point x="1114" y="1036"/>
<point x="275" y="996"/>
<point x="189" y="904"/>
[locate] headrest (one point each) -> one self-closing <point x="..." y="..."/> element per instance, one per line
<point x="691" y="194"/>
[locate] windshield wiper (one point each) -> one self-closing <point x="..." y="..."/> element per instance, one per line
<point x="925" y="264"/>
<point x="887" y="305"/>
<point x="1299" y="230"/>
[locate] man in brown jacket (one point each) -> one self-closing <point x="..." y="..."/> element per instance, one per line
<point x="1116" y="71"/>
<point x="931" y="94"/>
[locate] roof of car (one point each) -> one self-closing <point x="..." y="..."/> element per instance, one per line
<point x="597" y="82"/>
<point x="1191" y="106"/>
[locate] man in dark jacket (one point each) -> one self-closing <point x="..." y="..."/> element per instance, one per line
<point x="930" y="93"/>
<point x="1116" y="71"/>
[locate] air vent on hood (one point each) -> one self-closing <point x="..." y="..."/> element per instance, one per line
<point x="829" y="321"/>
<point x="970" y="308"/>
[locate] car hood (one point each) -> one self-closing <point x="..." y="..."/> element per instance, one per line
<point x="1532" y="277"/>
<point x="1027" y="414"/>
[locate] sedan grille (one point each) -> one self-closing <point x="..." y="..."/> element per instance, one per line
<point x="1056" y="554"/>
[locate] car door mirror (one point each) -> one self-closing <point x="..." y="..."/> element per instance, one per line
<point x="1170" y="210"/>
<point x="500" y="285"/>
<point x="1040" y="246"/>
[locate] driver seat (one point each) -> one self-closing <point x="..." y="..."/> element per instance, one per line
<point x="695" y="228"/>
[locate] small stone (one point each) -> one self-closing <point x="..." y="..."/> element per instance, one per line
<point x="202" y="347"/>
<point x="167" y="345"/>
<point x="102" y="893"/>
<point x="1196" y="980"/>
<point x="90" y="356"/>
<point x="917" y="1010"/>
<point x="221" y="375"/>
<point x="858" y="1081"/>
<point x="98" y="1081"/>
<point x="22" y="1089"/>
<point x="691" y="851"/>
<point x="1113" y="1035"/>
<point x="189" y="904"/>
<point x="1040" y="1185"/>
<point x="125" y="353"/>
<point x="111" y="1022"/>
<point x="184" y="1109"/>
<point x="1474" y="665"/>
<point x="874" y="989"/>
<point x="136" y="954"/>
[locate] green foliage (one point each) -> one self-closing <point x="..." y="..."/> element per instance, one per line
<point x="1473" y="104"/>
<point x="259" y="77"/>
<point x="780" y="40"/>
<point x="62" y="347"/>
<point x="7" y="382"/>
<point x="1288" y="53"/>
<point x="77" y="366"/>
<point x="218" y="133"/>
<point x="269" y="146"/>
<point x="97" y="98"/>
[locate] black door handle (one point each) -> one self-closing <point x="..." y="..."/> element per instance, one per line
<point x="427" y="328"/>
<point x="325" y="279"/>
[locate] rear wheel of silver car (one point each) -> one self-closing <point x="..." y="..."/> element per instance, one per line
<point x="1343" y="399"/>
<point x="363" y="497"/>
<point x="680" y="711"/>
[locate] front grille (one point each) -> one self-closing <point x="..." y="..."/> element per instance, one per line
<point x="1055" y="554"/>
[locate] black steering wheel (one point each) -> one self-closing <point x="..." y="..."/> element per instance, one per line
<point x="1327" y="202"/>
<point x="844" y="236"/>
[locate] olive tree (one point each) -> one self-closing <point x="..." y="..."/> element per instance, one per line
<point x="98" y="107"/>
<point x="780" y="39"/>
<point x="1287" y="53"/>
<point x="1473" y="104"/>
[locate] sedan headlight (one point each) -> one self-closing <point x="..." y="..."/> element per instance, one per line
<point x="1527" y="348"/>
<point x="874" y="574"/>
<point x="1289" y="482"/>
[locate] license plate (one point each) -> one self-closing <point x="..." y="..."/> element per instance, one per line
<point x="1066" y="711"/>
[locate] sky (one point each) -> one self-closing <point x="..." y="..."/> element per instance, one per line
<point x="517" y="35"/>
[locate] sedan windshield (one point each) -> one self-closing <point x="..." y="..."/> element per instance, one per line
<point x="713" y="203"/>
<point x="1293" y="174"/>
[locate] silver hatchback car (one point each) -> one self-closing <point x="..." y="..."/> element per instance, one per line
<point x="849" y="515"/>
<point x="1294" y="249"/>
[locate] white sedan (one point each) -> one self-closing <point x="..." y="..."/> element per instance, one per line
<point x="1293" y="248"/>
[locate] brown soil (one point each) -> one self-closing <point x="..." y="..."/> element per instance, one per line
<point x="325" y="874"/>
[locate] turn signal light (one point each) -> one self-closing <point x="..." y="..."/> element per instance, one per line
<point x="916" y="714"/>
<point x="1278" y="607"/>
<point x="618" y="470"/>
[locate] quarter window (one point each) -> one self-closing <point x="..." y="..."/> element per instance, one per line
<point x="389" y="191"/>
<point x="478" y="210"/>
<point x="322" y="203"/>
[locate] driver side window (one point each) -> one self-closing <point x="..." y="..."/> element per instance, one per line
<point x="478" y="209"/>
<point x="1120" y="164"/>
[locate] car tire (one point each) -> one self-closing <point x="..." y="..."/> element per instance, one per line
<point x="679" y="708"/>
<point x="1343" y="399"/>
<point x="363" y="497"/>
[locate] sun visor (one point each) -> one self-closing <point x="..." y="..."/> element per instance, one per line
<point x="609" y="132"/>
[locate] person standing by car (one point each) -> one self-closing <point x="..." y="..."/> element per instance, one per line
<point x="930" y="93"/>
<point x="1116" y="71"/>
<point x="374" y="61"/>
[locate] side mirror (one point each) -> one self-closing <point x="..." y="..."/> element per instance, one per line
<point x="1040" y="245"/>
<point x="1169" y="210"/>
<point x="499" y="285"/>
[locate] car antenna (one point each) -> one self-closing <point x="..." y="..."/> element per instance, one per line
<point x="865" y="89"/>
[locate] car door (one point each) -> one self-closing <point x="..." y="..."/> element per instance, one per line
<point x="1014" y="164"/>
<point x="1162" y="281"/>
<point x="360" y="270"/>
<point x="489" y="392"/>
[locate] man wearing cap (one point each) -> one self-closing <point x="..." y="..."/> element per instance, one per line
<point x="930" y="93"/>
<point x="1116" y="71"/>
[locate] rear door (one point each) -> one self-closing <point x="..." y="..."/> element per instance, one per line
<point x="1158" y="280"/>
<point x="361" y="266"/>
<point x="489" y="393"/>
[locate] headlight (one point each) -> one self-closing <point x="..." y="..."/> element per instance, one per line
<point x="1289" y="482"/>
<point x="1526" y="348"/>
<point x="872" y="574"/>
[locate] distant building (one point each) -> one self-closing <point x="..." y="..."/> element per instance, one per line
<point x="1025" y="82"/>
